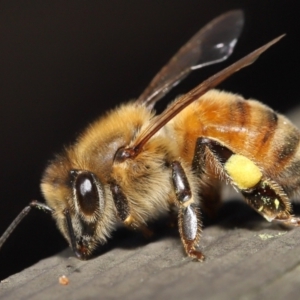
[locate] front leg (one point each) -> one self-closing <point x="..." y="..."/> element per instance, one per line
<point x="189" y="219"/>
<point x="123" y="211"/>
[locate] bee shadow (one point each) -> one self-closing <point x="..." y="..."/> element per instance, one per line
<point x="131" y="239"/>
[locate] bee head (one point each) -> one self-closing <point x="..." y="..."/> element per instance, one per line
<point x="78" y="199"/>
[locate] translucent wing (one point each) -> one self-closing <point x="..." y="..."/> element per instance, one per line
<point x="159" y="121"/>
<point x="212" y="44"/>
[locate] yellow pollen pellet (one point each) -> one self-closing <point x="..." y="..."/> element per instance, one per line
<point x="243" y="171"/>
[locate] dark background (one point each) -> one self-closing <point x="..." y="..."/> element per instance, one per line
<point x="62" y="63"/>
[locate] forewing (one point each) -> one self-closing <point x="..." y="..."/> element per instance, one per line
<point x="176" y="107"/>
<point x="211" y="44"/>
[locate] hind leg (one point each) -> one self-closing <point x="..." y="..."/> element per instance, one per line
<point x="210" y="193"/>
<point x="264" y="195"/>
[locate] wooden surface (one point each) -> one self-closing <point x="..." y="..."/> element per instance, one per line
<point x="247" y="258"/>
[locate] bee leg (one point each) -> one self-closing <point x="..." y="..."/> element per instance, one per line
<point x="210" y="185"/>
<point x="269" y="199"/>
<point x="123" y="211"/>
<point x="264" y="195"/>
<point x="188" y="219"/>
<point x="290" y="221"/>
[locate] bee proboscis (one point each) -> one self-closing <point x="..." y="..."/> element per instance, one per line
<point x="131" y="165"/>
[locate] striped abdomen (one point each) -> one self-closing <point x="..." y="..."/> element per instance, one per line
<point x="247" y="127"/>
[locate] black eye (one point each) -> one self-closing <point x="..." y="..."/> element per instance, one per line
<point x="87" y="193"/>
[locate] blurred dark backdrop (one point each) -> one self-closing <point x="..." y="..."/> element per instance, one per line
<point x="62" y="63"/>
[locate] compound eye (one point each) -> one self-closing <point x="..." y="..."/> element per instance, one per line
<point x="87" y="193"/>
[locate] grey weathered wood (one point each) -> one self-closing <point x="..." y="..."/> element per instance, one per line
<point x="253" y="261"/>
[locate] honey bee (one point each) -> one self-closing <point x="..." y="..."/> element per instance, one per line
<point x="131" y="166"/>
